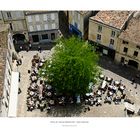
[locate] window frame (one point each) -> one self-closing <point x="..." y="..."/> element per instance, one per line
<point x="9" y="16"/>
<point x="37" y="18"/>
<point x="125" y="42"/>
<point x="113" y="33"/>
<point x="135" y="53"/>
<point x="44" y="35"/>
<point x="100" y="28"/>
<point x="125" y="49"/>
<point x="31" y="29"/>
<point x="29" y="18"/>
<point x="112" y="40"/>
<point x="99" y="36"/>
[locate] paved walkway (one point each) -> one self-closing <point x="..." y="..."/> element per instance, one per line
<point x="106" y="110"/>
<point x="24" y="83"/>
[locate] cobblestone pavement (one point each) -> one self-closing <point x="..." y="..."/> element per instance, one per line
<point x="109" y="69"/>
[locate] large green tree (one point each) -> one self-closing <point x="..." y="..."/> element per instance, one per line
<point x="72" y="66"/>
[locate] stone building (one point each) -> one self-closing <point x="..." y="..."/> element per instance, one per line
<point x="78" y="22"/>
<point x="6" y="50"/>
<point x="43" y="26"/>
<point x="104" y="29"/>
<point x="128" y="49"/>
<point x="16" y="20"/>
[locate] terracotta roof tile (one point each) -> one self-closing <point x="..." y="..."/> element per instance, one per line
<point x="112" y="18"/>
<point x="2" y="68"/>
<point x="132" y="32"/>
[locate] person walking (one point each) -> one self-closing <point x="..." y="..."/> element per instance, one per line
<point x="30" y="46"/>
<point x="39" y="48"/>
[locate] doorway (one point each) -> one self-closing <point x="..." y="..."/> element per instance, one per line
<point x="133" y="63"/>
<point x="35" y="38"/>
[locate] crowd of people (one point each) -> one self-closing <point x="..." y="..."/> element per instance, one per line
<point x="41" y="95"/>
<point x="109" y="91"/>
<point x="36" y="96"/>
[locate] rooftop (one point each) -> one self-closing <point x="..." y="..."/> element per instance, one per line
<point x="132" y="32"/>
<point x="112" y="18"/>
<point x="37" y="12"/>
<point x="2" y="68"/>
<point x="83" y="12"/>
<point x="3" y="49"/>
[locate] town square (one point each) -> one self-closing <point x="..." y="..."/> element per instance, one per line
<point x="70" y="64"/>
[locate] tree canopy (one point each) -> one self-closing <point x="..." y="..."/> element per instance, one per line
<point x="72" y="66"/>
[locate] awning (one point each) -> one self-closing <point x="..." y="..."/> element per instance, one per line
<point x="13" y="95"/>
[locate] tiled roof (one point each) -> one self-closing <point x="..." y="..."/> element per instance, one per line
<point x="112" y="18"/>
<point x="2" y="68"/>
<point x="3" y="50"/>
<point x="132" y="32"/>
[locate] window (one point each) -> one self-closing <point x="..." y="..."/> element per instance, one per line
<point x="9" y="72"/>
<point x="45" y="36"/>
<point x="8" y="82"/>
<point x="9" y="15"/>
<point x="52" y="16"/>
<point x="30" y="28"/>
<point x="78" y="26"/>
<point x="73" y="22"/>
<point x="113" y="34"/>
<point x="6" y="105"/>
<point x="35" y="38"/>
<point x="7" y="92"/>
<point x="53" y="26"/>
<point x="125" y="49"/>
<point x="37" y="17"/>
<point x="29" y="19"/>
<point x="18" y="14"/>
<point x="111" y="41"/>
<point x="125" y="42"/>
<point x="98" y="37"/>
<point x="122" y="59"/>
<point x="45" y="17"/>
<point x="52" y="36"/>
<point x="135" y="53"/>
<point x="7" y="98"/>
<point x="99" y="28"/>
<point x="11" y="27"/>
<point x="46" y="26"/>
<point x="38" y="27"/>
<point x="138" y="47"/>
<point x="78" y="16"/>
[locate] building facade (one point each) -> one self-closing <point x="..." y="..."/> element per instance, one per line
<point x="43" y="26"/>
<point x="104" y="29"/>
<point x="128" y="49"/>
<point x="17" y="22"/>
<point x="78" y="22"/>
<point x="6" y="44"/>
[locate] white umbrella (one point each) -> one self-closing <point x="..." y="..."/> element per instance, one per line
<point x="117" y="82"/>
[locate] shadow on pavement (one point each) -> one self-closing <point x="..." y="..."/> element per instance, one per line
<point x="123" y="71"/>
<point x="66" y="111"/>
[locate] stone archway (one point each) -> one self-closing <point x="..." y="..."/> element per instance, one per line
<point x="19" y="37"/>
